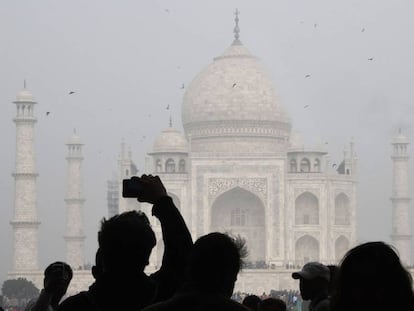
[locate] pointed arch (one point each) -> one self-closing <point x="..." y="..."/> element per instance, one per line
<point x="341" y="247"/>
<point x="342" y="210"/>
<point x="170" y="166"/>
<point x="306" y="209"/>
<point x="305" y="165"/>
<point x="306" y="250"/>
<point x="242" y="212"/>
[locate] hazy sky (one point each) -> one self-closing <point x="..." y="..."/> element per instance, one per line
<point x="126" y="61"/>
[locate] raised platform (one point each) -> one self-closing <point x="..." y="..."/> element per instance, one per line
<point x="255" y="281"/>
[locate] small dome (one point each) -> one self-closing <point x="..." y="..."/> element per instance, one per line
<point x="170" y="141"/>
<point x="74" y="140"/>
<point x="24" y="96"/>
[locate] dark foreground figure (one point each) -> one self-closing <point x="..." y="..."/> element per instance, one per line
<point x="251" y="302"/>
<point x="125" y="244"/>
<point x="211" y="273"/>
<point x="55" y="284"/>
<point x="314" y="283"/>
<point x="371" y="277"/>
<point x="272" y="304"/>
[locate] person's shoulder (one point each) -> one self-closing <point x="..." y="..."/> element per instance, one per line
<point x="75" y="302"/>
<point x="234" y="305"/>
<point x="323" y="305"/>
<point x="30" y="305"/>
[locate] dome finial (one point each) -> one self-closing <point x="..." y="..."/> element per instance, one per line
<point x="236" y="27"/>
<point x="24" y="84"/>
<point x="170" y="121"/>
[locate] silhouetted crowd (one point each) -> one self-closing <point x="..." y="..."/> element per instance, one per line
<point x="201" y="276"/>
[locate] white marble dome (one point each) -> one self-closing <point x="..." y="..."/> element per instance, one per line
<point x="24" y="96"/>
<point x="233" y="88"/>
<point x="170" y="141"/>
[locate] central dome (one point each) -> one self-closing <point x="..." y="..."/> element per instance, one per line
<point x="233" y="96"/>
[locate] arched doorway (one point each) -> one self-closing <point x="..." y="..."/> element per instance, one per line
<point x="306" y="250"/>
<point x="239" y="211"/>
<point x="306" y="209"/>
<point x="342" y="212"/>
<point x="341" y="247"/>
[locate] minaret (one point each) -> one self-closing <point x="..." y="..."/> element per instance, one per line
<point x="25" y="222"/>
<point x="74" y="201"/>
<point x="401" y="232"/>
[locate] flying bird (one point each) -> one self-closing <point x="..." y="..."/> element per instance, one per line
<point x="234" y="84"/>
<point x="307" y="76"/>
<point x="315" y="25"/>
<point x="371" y="59"/>
<point x="166" y="10"/>
<point x="363" y="30"/>
<point x="168" y="107"/>
<point x="182" y="86"/>
<point x="306" y="106"/>
<point x="71" y="92"/>
<point x="47" y="113"/>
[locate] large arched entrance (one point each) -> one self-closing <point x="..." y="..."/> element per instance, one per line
<point x="306" y="250"/>
<point x="239" y="211"/>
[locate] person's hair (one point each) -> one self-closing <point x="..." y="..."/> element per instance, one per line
<point x="251" y="302"/>
<point x="215" y="260"/>
<point x="372" y="277"/>
<point x="126" y="241"/>
<point x="333" y="272"/>
<point x="272" y="304"/>
<point x="58" y="267"/>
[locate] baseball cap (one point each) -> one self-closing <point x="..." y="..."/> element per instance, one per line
<point x="312" y="270"/>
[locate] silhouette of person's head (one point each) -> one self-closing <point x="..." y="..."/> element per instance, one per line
<point x="251" y="302"/>
<point x="313" y="280"/>
<point x="272" y="304"/>
<point x="371" y="277"/>
<point x="57" y="277"/>
<point x="97" y="269"/>
<point x="214" y="262"/>
<point x="125" y="242"/>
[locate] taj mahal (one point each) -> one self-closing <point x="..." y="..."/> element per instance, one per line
<point x="237" y="167"/>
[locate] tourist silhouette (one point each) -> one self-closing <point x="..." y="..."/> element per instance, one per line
<point x="57" y="277"/>
<point x="125" y="244"/>
<point x="371" y="277"/>
<point x="251" y="302"/>
<point x="314" y="283"/>
<point x="212" y="271"/>
<point x="272" y="304"/>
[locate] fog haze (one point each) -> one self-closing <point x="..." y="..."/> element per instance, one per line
<point x="126" y="61"/>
